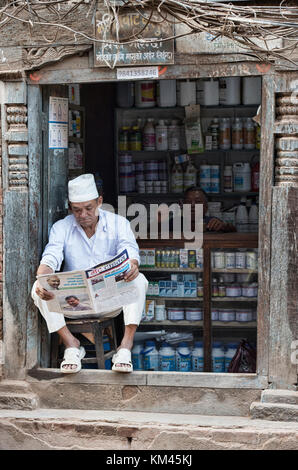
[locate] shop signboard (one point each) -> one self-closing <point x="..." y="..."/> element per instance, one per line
<point x="133" y="24"/>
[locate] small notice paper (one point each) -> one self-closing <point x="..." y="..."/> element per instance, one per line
<point x="132" y="73"/>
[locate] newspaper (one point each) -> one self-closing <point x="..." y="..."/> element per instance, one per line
<point x="99" y="289"/>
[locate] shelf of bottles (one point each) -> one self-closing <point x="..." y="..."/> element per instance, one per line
<point x="234" y="289"/>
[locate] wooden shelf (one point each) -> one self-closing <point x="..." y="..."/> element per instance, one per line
<point x="220" y="324"/>
<point x="234" y="299"/>
<point x="178" y="270"/>
<point x="235" y="270"/>
<point x="187" y="299"/>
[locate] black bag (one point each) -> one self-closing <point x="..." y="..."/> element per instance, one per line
<point x="244" y="359"/>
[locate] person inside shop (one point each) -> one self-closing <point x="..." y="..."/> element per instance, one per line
<point x="87" y="237"/>
<point x="196" y="195"/>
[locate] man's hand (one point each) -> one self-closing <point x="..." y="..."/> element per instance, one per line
<point x="43" y="293"/>
<point x="215" y="225"/>
<point x="133" y="272"/>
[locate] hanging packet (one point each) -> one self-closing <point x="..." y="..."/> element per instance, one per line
<point x="193" y="130"/>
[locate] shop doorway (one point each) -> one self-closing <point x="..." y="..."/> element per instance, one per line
<point x="103" y="138"/>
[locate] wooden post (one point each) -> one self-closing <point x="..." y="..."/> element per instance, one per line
<point x="265" y="202"/>
<point x="283" y="302"/>
<point x="15" y="226"/>
<point x="35" y="216"/>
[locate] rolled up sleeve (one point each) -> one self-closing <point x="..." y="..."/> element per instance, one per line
<point x="53" y="253"/>
<point x="126" y="240"/>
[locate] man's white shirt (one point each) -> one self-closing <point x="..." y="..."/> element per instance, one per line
<point x="69" y="242"/>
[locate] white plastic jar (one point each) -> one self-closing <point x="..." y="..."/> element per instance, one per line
<point x="244" y="315"/>
<point x="167" y="358"/>
<point x="151" y="356"/>
<point x="240" y="260"/>
<point x="137" y="357"/>
<point x="166" y="93"/>
<point x="226" y="314"/>
<point x="175" y="314"/>
<point x="230" y="259"/>
<point x="218" y="357"/>
<point x="233" y="290"/>
<point x="219" y="259"/>
<point x="183" y="357"/>
<point x="198" y="357"/>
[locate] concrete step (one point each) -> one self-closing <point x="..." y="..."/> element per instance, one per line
<point x="69" y="429"/>
<point x="18" y="386"/>
<point x="274" y="411"/>
<point x="280" y="396"/>
<point x="18" y="401"/>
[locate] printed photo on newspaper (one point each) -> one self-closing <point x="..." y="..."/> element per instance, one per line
<point x="98" y="290"/>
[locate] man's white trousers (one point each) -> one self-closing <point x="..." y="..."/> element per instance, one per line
<point x="132" y="313"/>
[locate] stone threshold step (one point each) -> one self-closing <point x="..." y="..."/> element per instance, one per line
<point x="274" y="411"/>
<point x="106" y="430"/>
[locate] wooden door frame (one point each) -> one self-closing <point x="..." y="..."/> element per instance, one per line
<point x="266" y="168"/>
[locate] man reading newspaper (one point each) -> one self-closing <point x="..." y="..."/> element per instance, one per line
<point x="88" y="237"/>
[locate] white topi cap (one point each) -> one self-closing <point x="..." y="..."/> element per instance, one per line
<point x="82" y="188"/>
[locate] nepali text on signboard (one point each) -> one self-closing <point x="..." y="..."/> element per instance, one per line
<point x="133" y="24"/>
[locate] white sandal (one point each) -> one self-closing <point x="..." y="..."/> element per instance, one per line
<point x="72" y="357"/>
<point x="123" y="356"/>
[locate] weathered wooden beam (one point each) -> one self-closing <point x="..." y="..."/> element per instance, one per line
<point x="265" y="200"/>
<point x="283" y="303"/>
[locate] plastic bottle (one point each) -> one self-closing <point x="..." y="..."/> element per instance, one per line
<point x="253" y="218"/>
<point x="174" y="135"/>
<point x="210" y="92"/>
<point x="123" y="144"/>
<point x="149" y="136"/>
<point x="166" y="93"/>
<point x="229" y="354"/>
<point x="214" y="129"/>
<point x="150" y="356"/>
<point x="225" y="134"/>
<point x="214" y="287"/>
<point x="198" y="357"/>
<point x="187" y="93"/>
<point x="218" y="357"/>
<point x="229" y="91"/>
<point x="177" y="179"/>
<point x="137" y="357"/>
<point x="215" y="179"/>
<point x="249" y="134"/>
<point x="183" y="358"/>
<point x="189" y="176"/>
<point x="167" y="358"/>
<point x="135" y="139"/>
<point x="237" y="134"/>
<point x="161" y="135"/>
<point x="242" y="177"/>
<point x="200" y="287"/>
<point x="228" y="179"/>
<point x="145" y="94"/>
<point x="242" y="217"/>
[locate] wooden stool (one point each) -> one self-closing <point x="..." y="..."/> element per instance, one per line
<point x="93" y="330"/>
